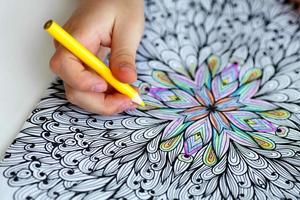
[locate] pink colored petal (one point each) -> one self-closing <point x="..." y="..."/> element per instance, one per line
<point x="228" y="104"/>
<point x="195" y="113"/>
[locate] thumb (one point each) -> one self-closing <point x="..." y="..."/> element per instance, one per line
<point x="125" y="40"/>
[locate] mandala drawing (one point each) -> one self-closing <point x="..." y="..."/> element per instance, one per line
<point x="221" y="83"/>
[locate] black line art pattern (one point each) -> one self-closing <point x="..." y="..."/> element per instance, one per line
<point x="221" y="80"/>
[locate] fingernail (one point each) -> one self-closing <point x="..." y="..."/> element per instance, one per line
<point x="98" y="88"/>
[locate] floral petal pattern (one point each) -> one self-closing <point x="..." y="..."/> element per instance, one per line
<point x="221" y="90"/>
<point x="221" y="83"/>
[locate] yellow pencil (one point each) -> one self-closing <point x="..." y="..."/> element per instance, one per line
<point x="70" y="43"/>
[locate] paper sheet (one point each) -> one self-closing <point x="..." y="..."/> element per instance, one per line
<point x="222" y="86"/>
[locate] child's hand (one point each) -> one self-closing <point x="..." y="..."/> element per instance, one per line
<point x="117" y="24"/>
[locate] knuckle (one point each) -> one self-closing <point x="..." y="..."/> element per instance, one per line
<point x="124" y="55"/>
<point x="77" y="83"/>
<point x="54" y="63"/>
<point x="80" y="83"/>
<point x="70" y="95"/>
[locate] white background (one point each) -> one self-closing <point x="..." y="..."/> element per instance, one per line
<point x="25" y="50"/>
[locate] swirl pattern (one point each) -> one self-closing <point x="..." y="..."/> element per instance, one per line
<point x="221" y="80"/>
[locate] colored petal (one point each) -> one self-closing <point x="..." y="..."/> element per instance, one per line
<point x="214" y="64"/>
<point x="239" y="118"/>
<point x="203" y="127"/>
<point x="262" y="125"/>
<point x="185" y="100"/>
<point x="248" y="90"/>
<point x="220" y="143"/>
<point x="182" y="82"/>
<point x="165" y="114"/>
<point x="228" y="104"/>
<point x="221" y="90"/>
<point x="174" y="128"/>
<point x="202" y="76"/>
<point x="276" y="114"/>
<point x="151" y="103"/>
<point x="256" y="105"/>
<point x="185" y="158"/>
<point x="163" y="94"/>
<point x="162" y="78"/>
<point x="230" y="74"/>
<point x="219" y="121"/>
<point x="174" y="98"/>
<point x="170" y="144"/>
<point x="204" y="96"/>
<point x="263" y="142"/>
<point x="193" y="144"/>
<point x="241" y="137"/>
<point x="195" y="113"/>
<point x="250" y="75"/>
<point x="209" y="157"/>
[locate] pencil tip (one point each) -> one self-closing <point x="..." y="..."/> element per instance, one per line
<point x="138" y="100"/>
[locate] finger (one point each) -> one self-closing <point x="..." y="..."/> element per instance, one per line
<point x="126" y="35"/>
<point x="99" y="103"/>
<point x="73" y="72"/>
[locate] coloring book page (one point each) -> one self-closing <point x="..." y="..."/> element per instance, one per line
<point x="221" y="83"/>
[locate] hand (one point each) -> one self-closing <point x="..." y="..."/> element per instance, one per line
<point x="117" y="24"/>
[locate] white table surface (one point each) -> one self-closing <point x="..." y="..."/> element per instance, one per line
<point x="25" y="50"/>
